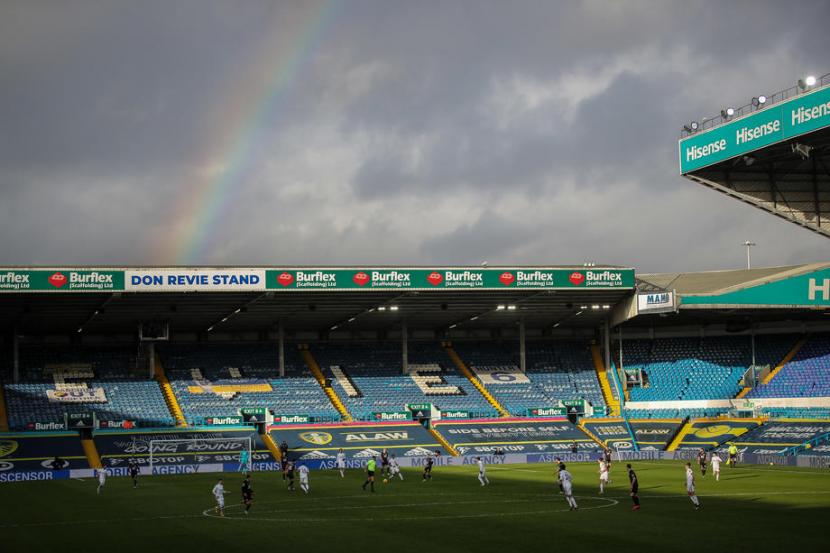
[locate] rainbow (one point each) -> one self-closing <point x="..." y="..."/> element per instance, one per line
<point x="240" y="120"/>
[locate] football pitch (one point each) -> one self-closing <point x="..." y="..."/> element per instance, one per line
<point x="752" y="508"/>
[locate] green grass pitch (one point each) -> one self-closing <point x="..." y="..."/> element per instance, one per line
<point x="752" y="508"/>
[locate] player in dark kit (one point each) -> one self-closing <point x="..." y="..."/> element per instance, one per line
<point x="635" y="488"/>
<point x="289" y="475"/>
<point x="247" y="493"/>
<point x="384" y="463"/>
<point x="133" y="468"/>
<point x="428" y="469"/>
<point x="701" y="460"/>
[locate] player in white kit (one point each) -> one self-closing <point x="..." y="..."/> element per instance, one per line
<point x="566" y="480"/>
<point x="102" y="479"/>
<point x="394" y="468"/>
<point x="303" y="471"/>
<point x="603" y="475"/>
<point x="341" y="463"/>
<point x="716" y="461"/>
<point x="482" y="472"/>
<point x="219" y="496"/>
<point x="690" y="486"/>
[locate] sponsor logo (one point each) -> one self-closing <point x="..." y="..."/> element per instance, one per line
<point x="548" y="412"/>
<point x="316" y="455"/>
<point x="45" y="426"/>
<point x="14" y="281"/>
<point x="507" y="278"/>
<point x="291" y="419"/>
<point x="464" y="279"/>
<point x="364" y="453"/>
<point x="5" y="465"/>
<point x="534" y="278"/>
<point x="391" y="279"/>
<point x="603" y="278"/>
<point x="435" y="278"/>
<point x="223" y="420"/>
<point x="455" y="415"/>
<point x="392" y="416"/>
<point x="718" y="430"/>
<point x="360" y="278"/>
<point x="7" y="447"/>
<point x="57" y="280"/>
<point x="316" y="279"/>
<point x="576" y="278"/>
<point x="125" y="424"/>
<point x="285" y="279"/>
<point x="374" y="436"/>
<point x="417" y="452"/>
<point x="316" y="438"/>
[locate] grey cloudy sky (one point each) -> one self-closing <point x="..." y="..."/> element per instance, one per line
<point x="357" y="132"/>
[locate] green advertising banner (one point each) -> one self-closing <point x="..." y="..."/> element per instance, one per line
<point x="292" y="419"/>
<point x="229" y="420"/>
<point x="800" y="115"/>
<point x="382" y="416"/>
<point x="61" y="281"/>
<point x="446" y="279"/>
<point x="548" y="412"/>
<point x="807" y="290"/>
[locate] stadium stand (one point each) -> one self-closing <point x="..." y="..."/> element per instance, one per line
<point x="806" y="375"/>
<point x="556" y="370"/>
<point x="368" y="378"/>
<point x="81" y="379"/>
<point x="697" y="368"/>
<point x="213" y="380"/>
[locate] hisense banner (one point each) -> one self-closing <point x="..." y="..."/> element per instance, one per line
<point x="797" y="116"/>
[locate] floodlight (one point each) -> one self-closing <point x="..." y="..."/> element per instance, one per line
<point x="500" y="308"/>
<point x="595" y="306"/>
<point x="382" y="308"/>
<point x="393" y="308"/>
<point x="694" y="125"/>
<point x="511" y="307"/>
<point x="759" y="101"/>
<point x="807" y="82"/>
<point x="727" y="113"/>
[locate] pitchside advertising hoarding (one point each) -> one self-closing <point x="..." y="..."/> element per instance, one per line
<point x="240" y="279"/>
<point x="797" y="116"/>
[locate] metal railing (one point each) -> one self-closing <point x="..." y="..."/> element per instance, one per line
<point x="793" y="91"/>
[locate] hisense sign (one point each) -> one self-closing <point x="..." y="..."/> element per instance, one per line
<point x="797" y="116"/>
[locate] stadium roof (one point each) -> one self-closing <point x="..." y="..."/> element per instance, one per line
<point x="565" y="296"/>
<point x="775" y="157"/>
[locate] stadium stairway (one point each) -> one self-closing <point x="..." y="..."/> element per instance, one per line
<point x="462" y="368"/>
<point x="167" y="392"/>
<point x="272" y="447"/>
<point x="443" y="441"/>
<point x="4" y="417"/>
<point x="789" y="357"/>
<point x="678" y="438"/>
<point x="312" y="365"/>
<point x="91" y="453"/>
<point x="590" y="434"/>
<point x="602" y="375"/>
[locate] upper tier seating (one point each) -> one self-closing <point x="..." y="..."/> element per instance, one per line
<point x="698" y="368"/>
<point x="368" y="378"/>
<point x="249" y="377"/>
<point x="806" y="375"/>
<point x="556" y="370"/>
<point x="127" y="392"/>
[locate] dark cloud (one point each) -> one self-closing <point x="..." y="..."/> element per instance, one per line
<point x="403" y="132"/>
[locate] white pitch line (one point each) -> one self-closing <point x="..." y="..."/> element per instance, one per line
<point x="609" y="503"/>
<point x="743" y="468"/>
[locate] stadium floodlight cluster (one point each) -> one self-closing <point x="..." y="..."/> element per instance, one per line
<point x="761" y="101"/>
